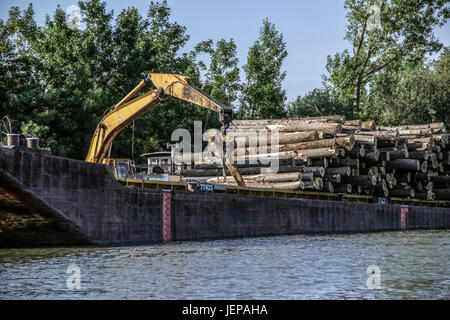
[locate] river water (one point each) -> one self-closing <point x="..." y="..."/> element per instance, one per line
<point x="412" y="265"/>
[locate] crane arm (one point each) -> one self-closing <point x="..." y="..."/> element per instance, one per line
<point x="126" y="111"/>
<point x="178" y="86"/>
<point x="116" y="120"/>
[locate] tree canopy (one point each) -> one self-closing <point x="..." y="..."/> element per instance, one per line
<point x="57" y="80"/>
<point x="262" y="93"/>
<point x="383" y="33"/>
<point x="417" y="94"/>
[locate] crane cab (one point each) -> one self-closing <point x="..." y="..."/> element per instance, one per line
<point x="123" y="168"/>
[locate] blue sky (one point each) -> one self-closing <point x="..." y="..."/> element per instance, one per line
<point x="312" y="29"/>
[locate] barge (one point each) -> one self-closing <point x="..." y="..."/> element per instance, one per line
<point x="46" y="200"/>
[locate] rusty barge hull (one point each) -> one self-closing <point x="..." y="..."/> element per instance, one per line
<point x="48" y="200"/>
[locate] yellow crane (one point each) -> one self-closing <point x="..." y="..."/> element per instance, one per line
<point x="126" y="111"/>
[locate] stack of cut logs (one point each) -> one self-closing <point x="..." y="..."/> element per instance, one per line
<point x="330" y="154"/>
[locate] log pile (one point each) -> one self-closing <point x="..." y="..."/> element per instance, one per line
<point x="330" y="154"/>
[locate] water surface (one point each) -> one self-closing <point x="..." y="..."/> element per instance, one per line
<point x="413" y="265"/>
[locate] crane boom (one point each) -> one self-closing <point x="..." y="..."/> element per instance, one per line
<point x="126" y="111"/>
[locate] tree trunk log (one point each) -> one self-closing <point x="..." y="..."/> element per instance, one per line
<point x="388" y="136"/>
<point x="296" y="185"/>
<point x="343" y="171"/>
<point x="362" y="180"/>
<point x="242" y="140"/>
<point x="278" y="177"/>
<point x="438" y="126"/>
<point x="328" y="187"/>
<point x="343" y="188"/>
<point x="316" y="184"/>
<point x="334" y="178"/>
<point x="316" y="171"/>
<point x="318" y="162"/>
<point x="317" y="153"/>
<point x="440" y="179"/>
<point x="357" y="152"/>
<point x="442" y="194"/>
<point x="405" y="164"/>
<point x="402" y="193"/>
<point x="429" y="195"/>
<point x="242" y="171"/>
<point x="319" y="126"/>
<point x="421" y="176"/>
<point x="289" y="121"/>
<point x="366" y="139"/>
<point x="385" y="155"/>
<point x="350" y="128"/>
<point x="259" y="164"/>
<point x="419" y="155"/>
<point x="424" y="166"/>
<point x="372" y="156"/>
<point x="381" y="188"/>
<point x="352" y="163"/>
<point x="368" y="125"/>
<point x="403" y="177"/>
<point x="352" y="123"/>
<point x="258" y="156"/>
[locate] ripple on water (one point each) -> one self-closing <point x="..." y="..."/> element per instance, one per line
<point x="414" y="265"/>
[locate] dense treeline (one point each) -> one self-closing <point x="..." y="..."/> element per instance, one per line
<point x="386" y="76"/>
<point x="57" y="81"/>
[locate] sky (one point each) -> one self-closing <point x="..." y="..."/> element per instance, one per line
<point x="312" y="29"/>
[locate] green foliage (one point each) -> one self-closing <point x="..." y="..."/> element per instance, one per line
<point x="222" y="76"/>
<point x="53" y="79"/>
<point x="57" y="82"/>
<point x="37" y="130"/>
<point x="222" y="81"/>
<point x="417" y="94"/>
<point x="263" y="96"/>
<point x="383" y="33"/>
<point x="142" y="46"/>
<point x="322" y="99"/>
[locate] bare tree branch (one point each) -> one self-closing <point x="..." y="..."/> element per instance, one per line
<point x="376" y="69"/>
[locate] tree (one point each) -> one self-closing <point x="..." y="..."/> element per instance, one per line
<point x="417" y="94"/>
<point x="383" y="33"/>
<point x="262" y="93"/>
<point x="222" y="76"/>
<point x="154" y="45"/>
<point x="441" y="101"/>
<point x="315" y="100"/>
<point x="16" y="63"/>
<point x="222" y="81"/>
<point x="46" y="97"/>
<point x="57" y="81"/>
